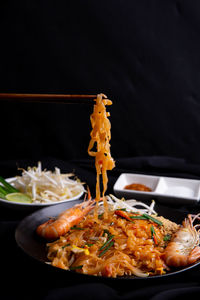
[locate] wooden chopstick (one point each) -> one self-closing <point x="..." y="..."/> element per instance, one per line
<point x="48" y="98"/>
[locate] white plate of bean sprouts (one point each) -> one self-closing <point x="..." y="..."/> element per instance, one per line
<point x="41" y="188"/>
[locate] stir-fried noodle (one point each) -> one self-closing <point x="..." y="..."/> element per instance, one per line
<point x="99" y="145"/>
<point x="130" y="241"/>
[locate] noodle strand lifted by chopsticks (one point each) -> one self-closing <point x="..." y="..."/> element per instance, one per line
<point x="100" y="138"/>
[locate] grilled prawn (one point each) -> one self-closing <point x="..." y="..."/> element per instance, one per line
<point x="183" y="249"/>
<point x="54" y="228"/>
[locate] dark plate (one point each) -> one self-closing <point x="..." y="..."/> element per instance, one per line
<point x="32" y="245"/>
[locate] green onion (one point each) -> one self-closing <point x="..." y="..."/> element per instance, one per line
<point x="106" y="243"/>
<point x="65" y="246"/>
<point x="167" y="237"/>
<point x="77" y="228"/>
<point x="138" y="217"/>
<point x="124" y="209"/>
<point x="106" y="231"/>
<point x="8" y="192"/>
<point x="152" y="231"/>
<point x="89" y="245"/>
<point x="106" y="249"/>
<point x="100" y="216"/>
<point x="76" y="267"/>
<point x="153" y="235"/>
<point x="2" y="196"/>
<point x="143" y="217"/>
<point x="8" y="186"/>
<point x="147" y="217"/>
<point x="3" y="191"/>
<point x="153" y="219"/>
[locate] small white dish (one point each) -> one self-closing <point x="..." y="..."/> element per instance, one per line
<point x="168" y="189"/>
<point x="33" y="206"/>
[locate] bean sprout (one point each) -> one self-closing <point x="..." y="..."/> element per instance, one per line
<point x="130" y="205"/>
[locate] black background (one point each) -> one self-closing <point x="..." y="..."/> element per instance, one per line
<point x="144" y="55"/>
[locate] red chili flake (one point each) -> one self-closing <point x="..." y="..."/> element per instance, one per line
<point x="123" y="214"/>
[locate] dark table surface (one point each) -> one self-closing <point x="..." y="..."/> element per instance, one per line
<point x="23" y="277"/>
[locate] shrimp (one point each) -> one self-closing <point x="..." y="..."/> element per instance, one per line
<point x="183" y="249"/>
<point x="54" y="228"/>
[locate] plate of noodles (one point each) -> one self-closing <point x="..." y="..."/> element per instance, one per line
<point x="37" y="188"/>
<point x="109" y="237"/>
<point x="129" y="241"/>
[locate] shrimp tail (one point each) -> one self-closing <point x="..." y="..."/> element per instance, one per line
<point x="194" y="255"/>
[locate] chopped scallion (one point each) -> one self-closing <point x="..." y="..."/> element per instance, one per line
<point x="106" y="231"/>
<point x="153" y="219"/>
<point x="153" y="235"/>
<point x="100" y="216"/>
<point x="8" y="186"/>
<point x="107" y="248"/>
<point x="106" y="243"/>
<point x="89" y="245"/>
<point x="152" y="231"/>
<point x="65" y="246"/>
<point x="3" y="192"/>
<point x="2" y="196"/>
<point x="76" y="228"/>
<point x="138" y="217"/>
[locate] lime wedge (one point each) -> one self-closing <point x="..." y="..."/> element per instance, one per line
<point x="18" y="197"/>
